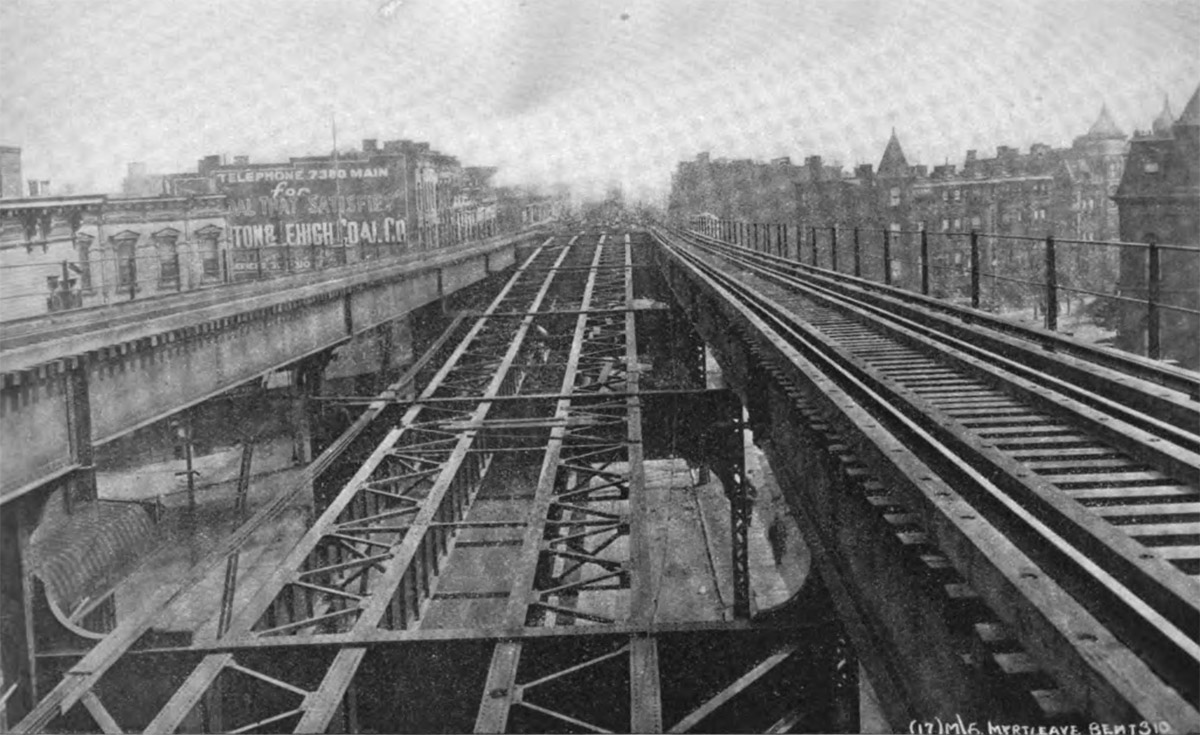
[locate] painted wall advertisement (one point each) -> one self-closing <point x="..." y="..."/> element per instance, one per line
<point x="284" y="217"/>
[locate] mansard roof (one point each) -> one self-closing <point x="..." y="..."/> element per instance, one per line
<point x="893" y="162"/>
<point x="1191" y="112"/>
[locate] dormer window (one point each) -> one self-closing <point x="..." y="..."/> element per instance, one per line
<point x="1150" y="167"/>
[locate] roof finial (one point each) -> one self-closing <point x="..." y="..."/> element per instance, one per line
<point x="1162" y="124"/>
<point x="1104" y="127"/>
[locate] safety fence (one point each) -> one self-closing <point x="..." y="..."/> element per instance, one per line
<point x="1141" y="297"/>
<point x="59" y="280"/>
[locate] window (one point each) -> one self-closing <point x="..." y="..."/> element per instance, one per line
<point x="166" y="242"/>
<point x="83" y="247"/>
<point x="976" y="222"/>
<point x="126" y="264"/>
<point x="209" y="241"/>
<point x="895" y="196"/>
<point x="958" y="195"/>
<point x="945" y="225"/>
<point x="957" y="224"/>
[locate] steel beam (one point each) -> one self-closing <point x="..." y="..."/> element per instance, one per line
<point x="498" y="694"/>
<point x="320" y="709"/>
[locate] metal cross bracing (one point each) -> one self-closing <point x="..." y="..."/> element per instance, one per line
<point x="533" y="426"/>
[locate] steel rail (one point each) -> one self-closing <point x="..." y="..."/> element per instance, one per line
<point x="1177" y="379"/>
<point x="1171" y="592"/>
<point x="1135" y="421"/>
<point x="1155" y="580"/>
<point x="1146" y="405"/>
<point x="1049" y="622"/>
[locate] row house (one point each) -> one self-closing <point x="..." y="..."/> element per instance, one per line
<point x="1061" y="191"/>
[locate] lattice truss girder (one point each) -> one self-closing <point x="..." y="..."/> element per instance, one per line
<point x="377" y="546"/>
<point x="373" y="558"/>
<point x="371" y="561"/>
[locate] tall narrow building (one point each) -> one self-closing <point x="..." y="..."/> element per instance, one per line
<point x="1159" y="201"/>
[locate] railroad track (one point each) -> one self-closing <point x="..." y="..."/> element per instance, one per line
<point x="1089" y="467"/>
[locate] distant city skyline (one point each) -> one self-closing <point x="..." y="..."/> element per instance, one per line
<point x="580" y="93"/>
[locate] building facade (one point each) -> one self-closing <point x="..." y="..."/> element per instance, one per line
<point x="1061" y="191"/>
<point x="1159" y="201"/>
<point x="398" y="195"/>
<point x="735" y="189"/>
<point x="61" y="253"/>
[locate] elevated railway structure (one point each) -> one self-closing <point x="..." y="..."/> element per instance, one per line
<point x="485" y="556"/>
<point x="1004" y="522"/>
<point x="74" y="380"/>
<point x="1009" y="522"/>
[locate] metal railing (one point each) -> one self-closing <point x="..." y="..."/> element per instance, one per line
<point x="56" y="284"/>
<point x="1140" y="297"/>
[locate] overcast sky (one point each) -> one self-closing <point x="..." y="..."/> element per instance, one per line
<point x="585" y="91"/>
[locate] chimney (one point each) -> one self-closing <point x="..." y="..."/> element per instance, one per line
<point x="863" y="171"/>
<point x="241" y="160"/>
<point x="971" y="156"/>
<point x="370" y="145"/>
<point x="209" y="162"/>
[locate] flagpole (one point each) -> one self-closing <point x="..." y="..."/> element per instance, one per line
<point x="337" y="184"/>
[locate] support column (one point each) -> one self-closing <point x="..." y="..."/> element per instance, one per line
<point x="307" y="383"/>
<point x="741" y="509"/>
<point x="17" y="662"/>
<point x="81" y="486"/>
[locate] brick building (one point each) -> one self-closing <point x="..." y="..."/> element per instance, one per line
<point x="1061" y="191"/>
<point x="739" y="189"/>
<point x="402" y="193"/>
<point x="1159" y="200"/>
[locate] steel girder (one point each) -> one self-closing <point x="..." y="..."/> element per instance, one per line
<point x="551" y="368"/>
